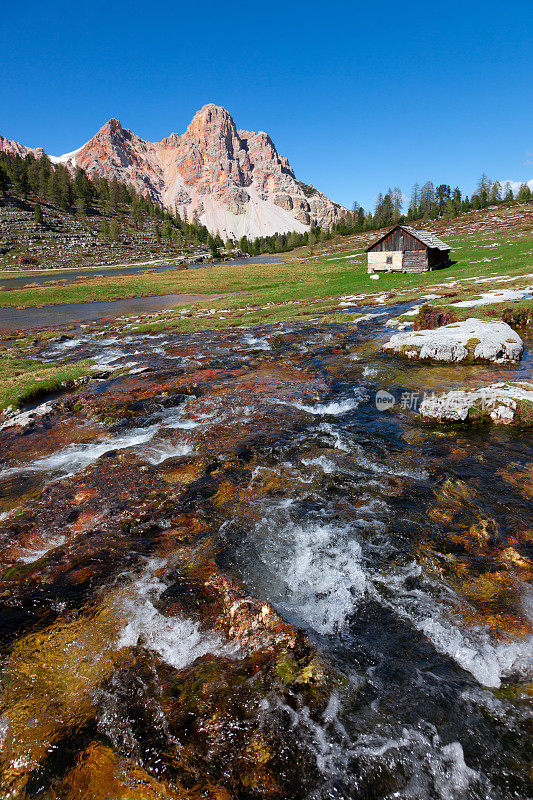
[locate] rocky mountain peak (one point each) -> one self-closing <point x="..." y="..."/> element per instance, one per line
<point x="112" y="125"/>
<point x="16" y="148"/>
<point x="233" y="180"/>
<point x="113" y="130"/>
<point x="211" y="122"/>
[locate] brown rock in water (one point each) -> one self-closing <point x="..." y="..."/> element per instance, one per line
<point x="99" y="775"/>
<point x="469" y="549"/>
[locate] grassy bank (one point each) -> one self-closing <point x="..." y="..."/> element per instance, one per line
<point x="25" y="379"/>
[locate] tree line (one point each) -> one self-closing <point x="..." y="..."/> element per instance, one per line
<point x="430" y="202"/>
<point x="113" y="200"/>
<point x="78" y="193"/>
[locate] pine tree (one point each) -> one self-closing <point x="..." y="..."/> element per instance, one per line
<point x="4" y="180"/>
<point x="397" y="202"/>
<point x="427" y="199"/>
<point x="136" y="217"/>
<point x="450" y="209"/>
<point x="115" y="234"/>
<point x="38" y="214"/>
<point x="443" y="193"/>
<point x="495" y="193"/>
<point x="456" y="197"/>
<point x="103" y="231"/>
<point x="483" y="185"/>
<point x="524" y="193"/>
<point x="213" y="248"/>
<point x="21" y="181"/>
<point x="114" y="193"/>
<point x="83" y="188"/>
<point x="414" y="203"/>
<point x="44" y="175"/>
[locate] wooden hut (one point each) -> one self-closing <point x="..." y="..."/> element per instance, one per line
<point x="404" y="249"/>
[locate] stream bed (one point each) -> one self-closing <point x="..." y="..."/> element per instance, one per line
<point x="227" y="574"/>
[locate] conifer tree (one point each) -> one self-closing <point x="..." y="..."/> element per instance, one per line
<point x="103" y="231"/>
<point x="115" y="234"/>
<point x="443" y="193"/>
<point x="21" y="181"/>
<point x="524" y="193"/>
<point x="397" y="202"/>
<point x="483" y="185"/>
<point x="38" y="214"/>
<point x="427" y="199"/>
<point x="456" y="197"/>
<point x="495" y="193"/>
<point x="215" y="254"/>
<point x="4" y="180"/>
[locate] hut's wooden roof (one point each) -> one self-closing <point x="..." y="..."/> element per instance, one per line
<point x="426" y="237"/>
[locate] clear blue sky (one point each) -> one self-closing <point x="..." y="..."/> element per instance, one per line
<point x="358" y="95"/>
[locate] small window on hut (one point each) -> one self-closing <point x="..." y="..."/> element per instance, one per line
<point x="389" y="260"/>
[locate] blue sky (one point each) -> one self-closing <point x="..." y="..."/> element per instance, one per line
<point x="358" y="95"/>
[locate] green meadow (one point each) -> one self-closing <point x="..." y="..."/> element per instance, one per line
<point x="318" y="278"/>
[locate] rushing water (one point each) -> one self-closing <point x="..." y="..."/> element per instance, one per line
<point x="401" y="550"/>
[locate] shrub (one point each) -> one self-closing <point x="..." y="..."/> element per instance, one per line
<point x="27" y="260"/>
<point x="433" y="317"/>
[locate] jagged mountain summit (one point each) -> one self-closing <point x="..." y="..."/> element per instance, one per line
<point x="234" y="181"/>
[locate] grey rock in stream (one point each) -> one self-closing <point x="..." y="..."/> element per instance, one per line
<point x="502" y="403"/>
<point x="471" y="340"/>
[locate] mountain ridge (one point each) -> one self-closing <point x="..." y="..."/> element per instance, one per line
<point x="233" y="181"/>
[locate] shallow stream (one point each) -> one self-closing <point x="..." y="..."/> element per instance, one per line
<point x="400" y="552"/>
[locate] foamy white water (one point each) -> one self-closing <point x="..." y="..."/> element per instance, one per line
<point x="161" y="451"/>
<point x="29" y="556"/>
<point x="177" y="639"/>
<point x="74" y="458"/>
<point x="334" y="408"/>
<point x="488" y="660"/>
<point x="144" y="441"/>
<point x="316" y="570"/>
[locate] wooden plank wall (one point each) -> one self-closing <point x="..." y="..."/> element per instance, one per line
<point x="415" y="261"/>
<point x="398" y="240"/>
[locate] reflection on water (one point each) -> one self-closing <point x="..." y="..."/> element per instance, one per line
<point x="24" y="318"/>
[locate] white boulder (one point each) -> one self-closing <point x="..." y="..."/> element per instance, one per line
<point x="502" y="403"/>
<point x="23" y="419"/>
<point x="471" y="340"/>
